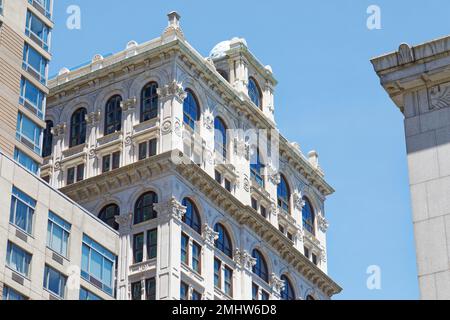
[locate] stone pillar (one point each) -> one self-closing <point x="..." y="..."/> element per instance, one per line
<point x="238" y="66"/>
<point x="268" y="100"/>
<point x="128" y="111"/>
<point x="169" y="249"/>
<point x="277" y="286"/>
<point x="125" y="221"/>
<point x="56" y="176"/>
<point x="209" y="237"/>
<point x="245" y="263"/>
<point x="92" y="162"/>
<point x="171" y="97"/>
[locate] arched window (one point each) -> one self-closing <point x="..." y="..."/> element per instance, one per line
<point x="149" y="102"/>
<point x="223" y="242"/>
<point x="220" y="137"/>
<point x="48" y="139"/>
<point x="288" y="292"/>
<point x="143" y="209"/>
<point x="192" y="217"/>
<point x="78" y="128"/>
<point x="113" y="115"/>
<point x="253" y="92"/>
<point x="283" y="195"/>
<point x="191" y="110"/>
<point x="257" y="168"/>
<point x="108" y="215"/>
<point x="308" y="216"/>
<point x="260" y="268"/>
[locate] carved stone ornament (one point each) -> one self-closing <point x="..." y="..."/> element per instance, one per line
<point x="128" y="104"/>
<point x="128" y="141"/>
<point x="93" y="117"/>
<point x="209" y="235"/>
<point x="172" y="208"/>
<point x="299" y="203"/>
<point x="439" y="96"/>
<point x="274" y="175"/>
<point x="166" y="127"/>
<point x="323" y="254"/>
<point x="244" y="259"/>
<point x="172" y="89"/>
<point x="92" y="153"/>
<point x="124" y="220"/>
<point x="405" y="54"/>
<point x="276" y="283"/>
<point x="322" y="223"/>
<point x="208" y="120"/>
<point x="59" y="130"/>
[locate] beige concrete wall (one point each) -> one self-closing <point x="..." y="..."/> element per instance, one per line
<point x="48" y="199"/>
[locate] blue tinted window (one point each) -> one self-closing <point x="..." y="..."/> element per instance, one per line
<point x="10" y="294"/>
<point x="283" y="195"/>
<point x="22" y="210"/>
<point x="86" y="295"/>
<point x="97" y="265"/>
<point x="37" y="30"/>
<point x="55" y="282"/>
<point x="257" y="168"/>
<point x="18" y="259"/>
<point x="149" y="102"/>
<point x="58" y="232"/>
<point x="34" y="63"/>
<point x="32" y="98"/>
<point x="29" y="133"/>
<point x="191" y="111"/>
<point x="288" y="291"/>
<point x="253" y="92"/>
<point x="223" y="242"/>
<point x="220" y="137"/>
<point x="26" y="161"/>
<point x="260" y="268"/>
<point x="192" y="217"/>
<point x="308" y="216"/>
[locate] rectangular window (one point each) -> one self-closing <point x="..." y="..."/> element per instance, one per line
<point x="10" y="294"/>
<point x="97" y="265"/>
<point x="281" y="228"/>
<point x="306" y="251"/>
<point x="29" y="133"/>
<point x="37" y="30"/>
<point x="86" y="295"/>
<point x="18" y="259"/>
<point x="116" y="160"/>
<point x="196" y="258"/>
<point x="32" y="98"/>
<point x="58" y="232"/>
<point x="22" y="210"/>
<point x="152" y="147"/>
<point x="218" y="176"/>
<point x="138" y="248"/>
<point x="264" y="296"/>
<point x="150" y="289"/>
<point x="255" y="292"/>
<point x="314" y="259"/>
<point x="26" y="161"/>
<point x="106" y="163"/>
<point x="290" y="236"/>
<point x="184" y="291"/>
<point x="228" y="185"/>
<point x="143" y="151"/>
<point x="152" y="244"/>
<point x="55" y="282"/>
<point x="196" y="296"/>
<point x="80" y="172"/>
<point x="43" y="6"/>
<point x="254" y="204"/>
<point x="34" y="63"/>
<point x="263" y="212"/>
<point x="184" y="249"/>
<point x="136" y="291"/>
<point x="70" y="176"/>
<point x="217" y="273"/>
<point x="228" y="277"/>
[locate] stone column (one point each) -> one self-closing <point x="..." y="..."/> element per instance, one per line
<point x="171" y="97"/>
<point x="245" y="263"/>
<point x="128" y="110"/>
<point x="168" y="266"/>
<point x="277" y="286"/>
<point x="268" y="100"/>
<point x="124" y="222"/>
<point x="209" y="237"/>
<point x="92" y="121"/>
<point x="57" y="177"/>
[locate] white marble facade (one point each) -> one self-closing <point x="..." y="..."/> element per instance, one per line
<point x="221" y="190"/>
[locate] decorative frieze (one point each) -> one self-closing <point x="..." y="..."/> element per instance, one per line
<point x="439" y="96"/>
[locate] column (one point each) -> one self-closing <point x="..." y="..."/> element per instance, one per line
<point x="168" y="269"/>
<point x="92" y="120"/>
<point x="277" y="286"/>
<point x="128" y="109"/>
<point x="245" y="263"/>
<point x="124" y="222"/>
<point x="57" y="176"/>
<point x="209" y="237"/>
<point x="171" y="97"/>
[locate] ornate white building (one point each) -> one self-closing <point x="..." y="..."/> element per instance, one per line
<point x="162" y="144"/>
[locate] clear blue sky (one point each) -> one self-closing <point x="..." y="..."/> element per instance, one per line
<point x="328" y="99"/>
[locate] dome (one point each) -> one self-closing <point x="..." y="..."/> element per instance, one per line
<point x="219" y="51"/>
